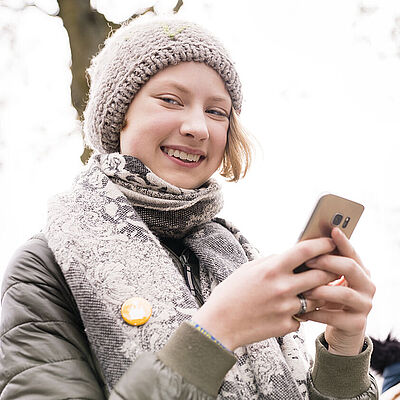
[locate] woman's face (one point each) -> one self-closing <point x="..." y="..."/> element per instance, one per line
<point x="177" y="124"/>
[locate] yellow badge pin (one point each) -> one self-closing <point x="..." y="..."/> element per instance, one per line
<point x="136" y="311"/>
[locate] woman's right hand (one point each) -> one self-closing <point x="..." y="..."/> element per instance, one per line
<point x="259" y="299"/>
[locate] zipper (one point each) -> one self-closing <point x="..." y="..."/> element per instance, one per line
<point x="188" y="272"/>
<point x="183" y="261"/>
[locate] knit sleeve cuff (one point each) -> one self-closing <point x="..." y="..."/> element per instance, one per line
<point x="198" y="359"/>
<point x="341" y="376"/>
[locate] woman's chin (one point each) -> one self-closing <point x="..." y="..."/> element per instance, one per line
<point x="182" y="182"/>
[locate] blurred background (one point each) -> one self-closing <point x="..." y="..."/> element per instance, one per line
<point x="322" y="98"/>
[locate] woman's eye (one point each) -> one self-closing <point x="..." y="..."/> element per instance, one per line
<point x="219" y="113"/>
<point x="169" y="100"/>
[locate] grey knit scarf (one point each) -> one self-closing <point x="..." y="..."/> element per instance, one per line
<point x="104" y="235"/>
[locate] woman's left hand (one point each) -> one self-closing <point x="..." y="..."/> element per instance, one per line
<point x="344" y="308"/>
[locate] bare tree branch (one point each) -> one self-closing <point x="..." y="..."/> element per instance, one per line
<point x="178" y="6"/>
<point x="142" y="12"/>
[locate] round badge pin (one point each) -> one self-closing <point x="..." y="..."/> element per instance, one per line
<point x="136" y="311"/>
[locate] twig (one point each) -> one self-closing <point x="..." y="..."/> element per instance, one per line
<point x="178" y="6"/>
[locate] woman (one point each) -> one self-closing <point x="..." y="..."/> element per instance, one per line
<point x="136" y="290"/>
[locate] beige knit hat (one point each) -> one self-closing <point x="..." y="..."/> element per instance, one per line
<point x="131" y="56"/>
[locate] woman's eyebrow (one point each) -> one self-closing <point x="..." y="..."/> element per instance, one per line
<point x="175" y="85"/>
<point x="184" y="89"/>
<point x="220" y="99"/>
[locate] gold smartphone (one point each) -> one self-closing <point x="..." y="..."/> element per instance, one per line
<point x="331" y="211"/>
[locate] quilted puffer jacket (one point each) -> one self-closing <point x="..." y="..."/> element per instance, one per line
<point x="45" y="354"/>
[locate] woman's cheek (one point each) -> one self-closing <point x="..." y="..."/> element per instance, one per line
<point x="223" y="140"/>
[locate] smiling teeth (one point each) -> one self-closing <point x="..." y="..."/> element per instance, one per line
<point x="182" y="155"/>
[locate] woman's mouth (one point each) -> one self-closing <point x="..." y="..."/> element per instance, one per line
<point x="182" y="156"/>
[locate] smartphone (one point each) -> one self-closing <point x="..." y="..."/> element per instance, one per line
<point x="331" y="211"/>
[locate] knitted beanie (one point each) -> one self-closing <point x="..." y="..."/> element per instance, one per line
<point x="131" y="56"/>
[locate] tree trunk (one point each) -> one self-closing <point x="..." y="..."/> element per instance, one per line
<point x="87" y="29"/>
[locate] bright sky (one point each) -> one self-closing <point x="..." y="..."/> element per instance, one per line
<point x="322" y="93"/>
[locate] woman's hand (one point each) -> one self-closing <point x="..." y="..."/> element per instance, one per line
<point x="346" y="306"/>
<point x="259" y="299"/>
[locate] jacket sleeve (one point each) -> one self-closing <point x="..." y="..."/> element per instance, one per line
<point x="45" y="354"/>
<point x="341" y="377"/>
<point x="189" y="366"/>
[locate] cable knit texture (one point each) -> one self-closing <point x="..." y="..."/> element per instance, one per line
<point x="104" y="235"/>
<point x="132" y="55"/>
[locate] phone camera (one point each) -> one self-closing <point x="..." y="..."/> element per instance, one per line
<point x="337" y="219"/>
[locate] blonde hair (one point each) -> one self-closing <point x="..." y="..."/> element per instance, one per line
<point x="238" y="151"/>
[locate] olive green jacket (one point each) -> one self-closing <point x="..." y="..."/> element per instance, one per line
<point x="45" y="354"/>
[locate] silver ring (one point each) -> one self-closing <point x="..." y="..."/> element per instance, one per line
<point x="303" y="304"/>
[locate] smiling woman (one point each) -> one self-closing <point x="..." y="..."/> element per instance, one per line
<point x="137" y="290"/>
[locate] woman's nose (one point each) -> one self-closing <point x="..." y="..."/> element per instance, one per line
<point x="195" y="125"/>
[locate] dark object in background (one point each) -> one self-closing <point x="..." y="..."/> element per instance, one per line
<point x="385" y="360"/>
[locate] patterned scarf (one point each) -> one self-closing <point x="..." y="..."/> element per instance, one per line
<point x="104" y="235"/>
